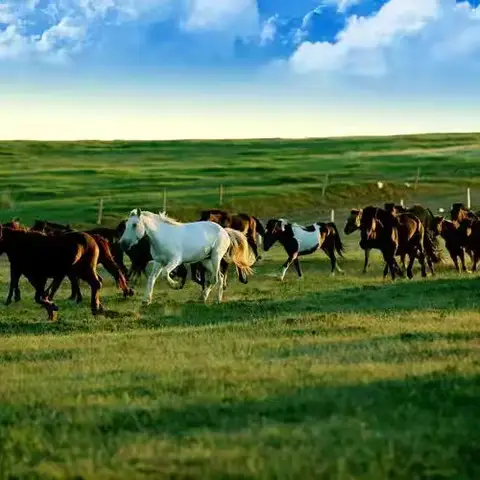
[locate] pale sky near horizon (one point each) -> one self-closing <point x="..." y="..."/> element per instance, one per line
<point x="173" y="69"/>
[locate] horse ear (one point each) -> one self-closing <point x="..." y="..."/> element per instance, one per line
<point x="139" y="211"/>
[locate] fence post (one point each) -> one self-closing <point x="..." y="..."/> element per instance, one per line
<point x="401" y="202"/>
<point x="469" y="200"/>
<point x="221" y="195"/>
<point x="165" y="201"/>
<point x="325" y="185"/>
<point x="100" y="212"/>
<point x="332" y="215"/>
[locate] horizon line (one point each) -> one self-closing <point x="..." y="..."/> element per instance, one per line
<point x="233" y="139"/>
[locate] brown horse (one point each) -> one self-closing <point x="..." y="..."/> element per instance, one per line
<point x="38" y="257"/>
<point x="106" y="258"/>
<point x="469" y="232"/>
<point x="402" y="235"/>
<point x="454" y="239"/>
<point x="426" y="217"/>
<point x="242" y="222"/>
<point x="111" y="234"/>
<point x="460" y="212"/>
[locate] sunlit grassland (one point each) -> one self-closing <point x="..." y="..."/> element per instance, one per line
<point x="328" y="377"/>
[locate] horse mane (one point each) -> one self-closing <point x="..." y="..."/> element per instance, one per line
<point x="166" y="219"/>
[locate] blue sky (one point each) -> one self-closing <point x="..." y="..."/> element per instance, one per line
<point x="267" y="59"/>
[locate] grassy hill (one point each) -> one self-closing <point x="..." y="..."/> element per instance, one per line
<point x="65" y="181"/>
<point x="328" y="378"/>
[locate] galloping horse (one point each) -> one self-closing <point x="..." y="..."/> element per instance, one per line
<point x="454" y="241"/>
<point x="173" y="243"/>
<point x="426" y="217"/>
<point x="460" y="212"/>
<point x="106" y="258"/>
<point x="401" y="235"/>
<point x="298" y="241"/>
<point x="39" y="256"/>
<point x="249" y="225"/>
<point x="111" y="234"/>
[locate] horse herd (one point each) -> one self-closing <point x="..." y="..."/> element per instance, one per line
<point x="218" y="239"/>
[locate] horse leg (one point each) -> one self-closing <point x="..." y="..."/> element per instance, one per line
<point x="168" y="269"/>
<point x="411" y="257"/>
<point x="454" y="256"/>
<point x="207" y="279"/>
<point x="298" y="268"/>
<point x="389" y="258"/>
<point x="461" y="254"/>
<point x="430" y="264"/>
<point x="365" y="265"/>
<point x="181" y="272"/>
<point x="14" y="288"/>
<point x="218" y="274"/>
<point x="55" y="285"/>
<point x="253" y="246"/>
<point x="474" y="260"/>
<point x="39" y="285"/>
<point x="287" y="264"/>
<point x="243" y="278"/>
<point x="75" y="285"/>
<point x="385" y="270"/>
<point x="421" y="258"/>
<point x="156" y="270"/>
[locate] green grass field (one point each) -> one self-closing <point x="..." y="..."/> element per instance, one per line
<point x="345" y="377"/>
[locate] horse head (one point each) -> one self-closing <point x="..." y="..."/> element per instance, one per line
<point x="275" y="227"/>
<point x="458" y="212"/>
<point x="134" y="230"/>
<point x="353" y="221"/>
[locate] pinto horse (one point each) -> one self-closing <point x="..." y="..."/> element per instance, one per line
<point x="173" y="243"/>
<point x="39" y="256"/>
<point x="298" y="241"/>
<point x="402" y="235"/>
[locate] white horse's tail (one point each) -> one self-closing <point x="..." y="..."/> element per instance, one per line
<point x="239" y="252"/>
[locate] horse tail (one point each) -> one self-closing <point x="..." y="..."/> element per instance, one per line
<point x="105" y="257"/>
<point x="239" y="252"/>
<point x="260" y="228"/>
<point x="337" y="241"/>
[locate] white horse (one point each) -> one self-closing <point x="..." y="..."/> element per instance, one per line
<point x="173" y="243"/>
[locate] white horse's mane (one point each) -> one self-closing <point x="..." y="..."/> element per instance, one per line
<point x="161" y="216"/>
<point x="166" y="219"/>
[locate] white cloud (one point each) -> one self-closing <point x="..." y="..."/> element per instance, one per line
<point x="395" y="34"/>
<point x="216" y="15"/>
<point x="59" y="28"/>
<point x="269" y="30"/>
<point x="344" y="5"/>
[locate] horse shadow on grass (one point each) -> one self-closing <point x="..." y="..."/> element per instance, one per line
<point x="425" y="420"/>
<point x="401" y="297"/>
